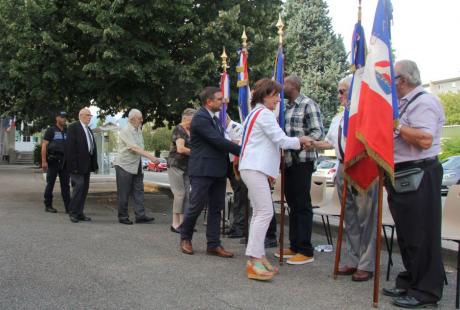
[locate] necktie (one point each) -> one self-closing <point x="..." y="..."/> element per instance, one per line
<point x="216" y="122"/>
<point x="90" y="140"/>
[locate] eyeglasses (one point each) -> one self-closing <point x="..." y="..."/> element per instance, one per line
<point x="342" y="91"/>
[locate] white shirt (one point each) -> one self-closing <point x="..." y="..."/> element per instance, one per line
<point x="333" y="134"/>
<point x="89" y="137"/>
<point x="262" y="150"/>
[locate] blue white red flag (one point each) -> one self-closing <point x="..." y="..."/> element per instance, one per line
<point x="243" y="85"/>
<point x="373" y="108"/>
<point x="279" y="77"/>
<point x="11" y="124"/>
<point x="225" y="89"/>
<point x="358" y="60"/>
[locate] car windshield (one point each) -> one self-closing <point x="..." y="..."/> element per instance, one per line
<point x="326" y="164"/>
<point x="451" y="163"/>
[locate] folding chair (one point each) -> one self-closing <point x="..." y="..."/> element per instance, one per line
<point x="328" y="207"/>
<point x="451" y="227"/>
<point x="388" y="222"/>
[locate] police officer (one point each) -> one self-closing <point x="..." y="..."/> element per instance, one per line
<point x="53" y="163"/>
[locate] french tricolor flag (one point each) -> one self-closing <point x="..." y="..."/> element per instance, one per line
<point x="373" y="107"/>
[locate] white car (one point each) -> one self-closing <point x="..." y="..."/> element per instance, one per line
<point x="328" y="169"/>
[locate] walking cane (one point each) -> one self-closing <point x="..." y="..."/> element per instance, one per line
<point x="378" y="244"/>
<point x="340" y="232"/>
<point x="283" y="211"/>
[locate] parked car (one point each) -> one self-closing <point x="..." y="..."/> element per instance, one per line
<point x="451" y="176"/>
<point x="328" y="169"/>
<point x="160" y="167"/>
<point x="145" y="162"/>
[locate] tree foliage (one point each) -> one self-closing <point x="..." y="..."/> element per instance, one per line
<point x="314" y="52"/>
<point x="451" y="103"/>
<point x="450" y="147"/>
<point x="152" y="55"/>
<point x="157" y="140"/>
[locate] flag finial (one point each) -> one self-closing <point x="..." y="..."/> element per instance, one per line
<point x="244" y="37"/>
<point x="359" y="11"/>
<point x="280" y="26"/>
<point x="224" y="60"/>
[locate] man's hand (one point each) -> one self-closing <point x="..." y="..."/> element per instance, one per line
<point x="153" y="159"/>
<point x="44" y="166"/>
<point x="306" y="142"/>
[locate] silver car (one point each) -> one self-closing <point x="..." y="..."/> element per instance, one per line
<point x="328" y="169"/>
<point x="451" y="176"/>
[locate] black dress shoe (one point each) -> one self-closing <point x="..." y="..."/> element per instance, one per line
<point x="175" y="230"/>
<point x="145" y="219"/>
<point x="50" y="209"/>
<point x="84" y="218"/>
<point x="73" y="219"/>
<point x="125" y="221"/>
<point x="413" y="303"/>
<point x="394" y="292"/>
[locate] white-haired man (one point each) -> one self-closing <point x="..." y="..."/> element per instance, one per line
<point x="81" y="159"/>
<point x="417" y="212"/>
<point x="128" y="169"/>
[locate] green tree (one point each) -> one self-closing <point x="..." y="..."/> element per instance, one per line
<point x="450" y="147"/>
<point x="314" y="52"/>
<point x="156" y="140"/>
<point x="451" y="103"/>
<point x="152" y="55"/>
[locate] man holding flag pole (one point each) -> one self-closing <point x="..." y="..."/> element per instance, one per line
<point x="373" y="112"/>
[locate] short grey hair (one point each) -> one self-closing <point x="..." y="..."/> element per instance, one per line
<point x="188" y="112"/>
<point x="133" y="113"/>
<point x="295" y="80"/>
<point x="346" y="80"/>
<point x="409" y="70"/>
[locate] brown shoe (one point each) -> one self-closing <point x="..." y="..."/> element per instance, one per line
<point x="346" y="271"/>
<point x="361" y="275"/>
<point x="219" y="251"/>
<point x="186" y="247"/>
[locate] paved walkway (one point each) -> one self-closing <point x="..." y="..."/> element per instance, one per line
<point x="46" y="262"/>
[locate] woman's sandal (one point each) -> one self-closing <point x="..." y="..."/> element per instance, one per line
<point x="269" y="266"/>
<point x="256" y="270"/>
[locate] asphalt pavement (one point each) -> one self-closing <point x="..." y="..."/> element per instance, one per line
<point x="47" y="262"/>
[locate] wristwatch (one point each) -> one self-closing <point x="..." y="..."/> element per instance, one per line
<point x="397" y="129"/>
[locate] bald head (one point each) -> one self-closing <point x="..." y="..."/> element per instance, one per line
<point x="85" y="116"/>
<point x="292" y="85"/>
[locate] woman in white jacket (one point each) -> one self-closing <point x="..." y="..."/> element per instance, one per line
<point x="260" y="160"/>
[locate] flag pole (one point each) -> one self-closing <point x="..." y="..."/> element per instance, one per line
<point x="340" y="231"/>
<point x="378" y="243"/>
<point x="280" y="26"/>
<point x="224" y="67"/>
<point x="244" y="39"/>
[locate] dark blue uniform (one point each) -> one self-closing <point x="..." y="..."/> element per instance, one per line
<point x="55" y="152"/>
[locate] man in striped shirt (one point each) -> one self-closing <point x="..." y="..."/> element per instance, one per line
<point x="303" y="118"/>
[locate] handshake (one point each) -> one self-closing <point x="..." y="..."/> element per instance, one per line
<point x="306" y="142"/>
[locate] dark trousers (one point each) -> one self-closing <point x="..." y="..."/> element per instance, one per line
<point x="205" y="190"/>
<point x="130" y="184"/>
<point x="297" y="192"/>
<point x="417" y="217"/>
<point x="240" y="201"/>
<point x="80" y="184"/>
<point x="55" y="170"/>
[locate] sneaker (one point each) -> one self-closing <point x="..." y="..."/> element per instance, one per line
<point x="300" y="259"/>
<point x="287" y="253"/>
<point x="50" y="209"/>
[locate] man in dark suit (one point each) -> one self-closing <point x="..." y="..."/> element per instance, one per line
<point x="208" y="164"/>
<point x="81" y="160"/>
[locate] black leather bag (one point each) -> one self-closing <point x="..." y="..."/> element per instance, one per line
<point x="409" y="180"/>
